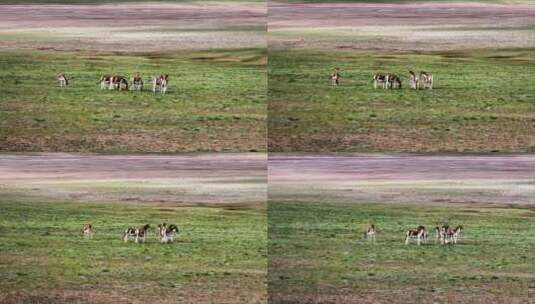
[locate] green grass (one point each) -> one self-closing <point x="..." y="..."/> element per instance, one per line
<point x="317" y="251"/>
<point x="480" y="103"/>
<point x="216" y="101"/>
<point x="42" y="252"/>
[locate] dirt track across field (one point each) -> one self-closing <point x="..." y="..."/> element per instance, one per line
<point x="131" y="27"/>
<point x="190" y="179"/>
<point x="410" y="26"/>
<point x="453" y="179"/>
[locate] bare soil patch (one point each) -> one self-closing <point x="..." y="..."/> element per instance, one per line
<point x="133" y="27"/>
<point x="410" y="26"/>
<point x="434" y="179"/>
<point x="189" y="179"/>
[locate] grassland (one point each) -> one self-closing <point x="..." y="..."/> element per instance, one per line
<point x="317" y="254"/>
<point x="480" y="102"/>
<point x="215" y="102"/>
<point x="219" y="254"/>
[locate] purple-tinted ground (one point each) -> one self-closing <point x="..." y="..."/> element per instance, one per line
<point x="189" y="179"/>
<point x="471" y="179"/>
<point x="133" y="27"/>
<point x="424" y="26"/>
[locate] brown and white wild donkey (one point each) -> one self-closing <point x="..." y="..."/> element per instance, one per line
<point x="118" y="83"/>
<point x="370" y="233"/>
<point x="414" y="81"/>
<point x="379" y="79"/>
<point x="160" y="83"/>
<point x="393" y="81"/>
<point x="167" y="232"/>
<point x="426" y="80"/>
<point x="446" y="235"/>
<point x="88" y="231"/>
<point x="419" y="234"/>
<point x="63" y="81"/>
<point x="105" y="82"/>
<point x="136" y="83"/>
<point x="136" y="234"/>
<point x="335" y="77"/>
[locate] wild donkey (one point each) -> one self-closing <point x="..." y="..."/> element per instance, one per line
<point x="63" y="81"/>
<point x="426" y="80"/>
<point x="439" y="233"/>
<point x="119" y="83"/>
<point x="446" y="235"/>
<point x="136" y="83"/>
<point x="167" y="232"/>
<point x="393" y="81"/>
<point x="370" y="233"/>
<point x="379" y="79"/>
<point x="414" y="80"/>
<point x="452" y="235"/>
<point x="160" y="83"/>
<point x="137" y="234"/>
<point x="88" y="231"/>
<point x="419" y="234"/>
<point x="389" y="81"/>
<point x="335" y="77"/>
<point x="105" y="82"/>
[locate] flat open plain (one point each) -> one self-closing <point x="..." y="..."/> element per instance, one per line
<point x="133" y="27"/>
<point x="216" y="200"/>
<point x="421" y="179"/>
<point x="415" y="26"/>
<point x="213" y="52"/>
<point x="480" y="53"/>
<point x="321" y="205"/>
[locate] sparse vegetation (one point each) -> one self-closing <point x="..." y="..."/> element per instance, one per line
<point x="318" y="254"/>
<point x="215" y="102"/>
<point x="219" y="254"/>
<point x="480" y="102"/>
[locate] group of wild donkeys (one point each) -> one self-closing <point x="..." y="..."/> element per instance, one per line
<point x="392" y="81"/>
<point x="444" y="234"/>
<point x="165" y="233"/>
<point x="121" y="83"/>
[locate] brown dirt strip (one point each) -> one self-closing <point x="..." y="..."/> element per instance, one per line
<point x="469" y="179"/>
<point x="362" y="14"/>
<point x="133" y="27"/>
<point x="188" y="179"/>
<point x="129" y="14"/>
<point x="401" y="27"/>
